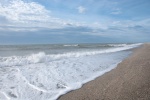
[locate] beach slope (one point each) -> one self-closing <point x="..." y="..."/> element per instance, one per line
<point x="130" y="80"/>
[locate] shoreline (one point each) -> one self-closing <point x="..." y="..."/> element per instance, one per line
<point x="128" y="81"/>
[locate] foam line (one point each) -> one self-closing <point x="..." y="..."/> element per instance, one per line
<point x="4" y="94"/>
<point x="56" y="74"/>
<point x="31" y="85"/>
<point x="41" y="57"/>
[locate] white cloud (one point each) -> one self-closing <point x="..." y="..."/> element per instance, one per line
<point x="21" y="15"/>
<point x="17" y="10"/>
<point x="81" y="9"/>
<point x="18" y="15"/>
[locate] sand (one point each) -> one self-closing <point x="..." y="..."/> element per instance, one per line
<point x="130" y="80"/>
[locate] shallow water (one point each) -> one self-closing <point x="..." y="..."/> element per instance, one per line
<point x="44" y="72"/>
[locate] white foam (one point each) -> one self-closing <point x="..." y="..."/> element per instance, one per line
<point x="46" y="77"/>
<point x="71" y="45"/>
<point x="41" y="57"/>
<point x="117" y="45"/>
<point x="3" y="96"/>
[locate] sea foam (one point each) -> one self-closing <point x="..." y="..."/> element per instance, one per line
<point x="44" y="76"/>
<point x="41" y="57"/>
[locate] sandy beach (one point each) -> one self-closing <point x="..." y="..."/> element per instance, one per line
<point x="130" y="80"/>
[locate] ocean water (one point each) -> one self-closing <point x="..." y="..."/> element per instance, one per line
<point x="45" y="72"/>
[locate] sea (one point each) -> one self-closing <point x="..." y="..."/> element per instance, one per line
<point x="47" y="71"/>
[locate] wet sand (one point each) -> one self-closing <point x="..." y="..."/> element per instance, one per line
<point x="130" y="80"/>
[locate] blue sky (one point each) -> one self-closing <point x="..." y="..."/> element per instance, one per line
<point x="74" y="21"/>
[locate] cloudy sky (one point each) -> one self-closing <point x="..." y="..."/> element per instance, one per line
<point x="74" y="21"/>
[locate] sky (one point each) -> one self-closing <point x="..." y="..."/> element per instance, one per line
<point x="74" y="21"/>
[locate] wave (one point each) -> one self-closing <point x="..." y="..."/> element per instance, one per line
<point x="49" y="76"/>
<point x="118" y="45"/>
<point x="73" y="45"/>
<point x="41" y="57"/>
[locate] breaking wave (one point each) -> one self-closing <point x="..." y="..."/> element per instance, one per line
<point x="41" y="57"/>
<point x="42" y="76"/>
